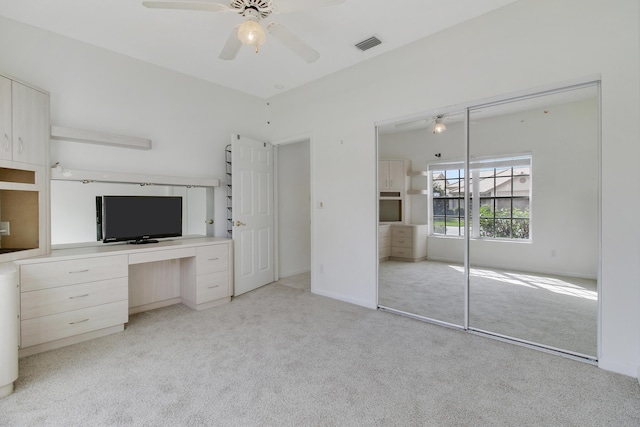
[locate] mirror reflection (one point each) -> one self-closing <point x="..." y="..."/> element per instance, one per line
<point x="418" y="274"/>
<point x="73" y="207"/>
<point x="534" y="235"/>
<point x="533" y="219"/>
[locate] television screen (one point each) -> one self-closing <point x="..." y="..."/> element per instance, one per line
<point x="140" y="218"/>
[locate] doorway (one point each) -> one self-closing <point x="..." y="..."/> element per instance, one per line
<point x="294" y="212"/>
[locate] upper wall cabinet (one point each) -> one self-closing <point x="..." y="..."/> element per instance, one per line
<point x="24" y="153"/>
<point x="392" y="175"/>
<point x="24" y="123"/>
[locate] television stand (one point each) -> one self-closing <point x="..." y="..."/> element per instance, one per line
<point x="141" y="241"/>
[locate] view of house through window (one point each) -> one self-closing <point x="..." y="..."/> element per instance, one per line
<point x="500" y="198"/>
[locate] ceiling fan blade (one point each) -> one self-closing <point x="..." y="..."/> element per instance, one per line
<point x="286" y="6"/>
<point x="292" y="42"/>
<point x="232" y="46"/>
<point x="187" y="5"/>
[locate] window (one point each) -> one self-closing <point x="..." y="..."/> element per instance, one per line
<point x="500" y="198"/>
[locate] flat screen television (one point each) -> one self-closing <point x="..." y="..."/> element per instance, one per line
<point x="140" y="219"/>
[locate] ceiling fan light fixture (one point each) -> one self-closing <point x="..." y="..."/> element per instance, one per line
<point x="439" y="127"/>
<point x="250" y="32"/>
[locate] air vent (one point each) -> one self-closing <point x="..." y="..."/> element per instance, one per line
<point x="368" y="43"/>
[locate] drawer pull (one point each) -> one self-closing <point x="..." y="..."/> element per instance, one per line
<point x="213" y="259"/>
<point x="78" y="321"/>
<point x="78" y="271"/>
<point x="79" y="296"/>
<point x="213" y="287"/>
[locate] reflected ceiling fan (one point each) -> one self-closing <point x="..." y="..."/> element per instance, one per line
<point x="437" y="120"/>
<point x="250" y="31"/>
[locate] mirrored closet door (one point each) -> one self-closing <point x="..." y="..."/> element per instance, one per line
<point x="534" y="192"/>
<point x="421" y="270"/>
<point x="506" y="198"/>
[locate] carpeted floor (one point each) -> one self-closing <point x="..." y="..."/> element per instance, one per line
<point x="556" y="311"/>
<point x="280" y="355"/>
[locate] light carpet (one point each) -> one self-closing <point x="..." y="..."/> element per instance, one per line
<point x="280" y="355"/>
<point x="557" y="311"/>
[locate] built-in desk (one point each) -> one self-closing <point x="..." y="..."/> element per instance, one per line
<point x="81" y="293"/>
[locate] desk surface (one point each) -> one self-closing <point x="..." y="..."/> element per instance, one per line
<point x="99" y="250"/>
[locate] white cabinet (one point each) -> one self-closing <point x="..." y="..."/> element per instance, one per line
<point x="9" y="306"/>
<point x="392" y="187"/>
<point x="24" y="123"/>
<point x="6" y="152"/>
<point x="62" y="300"/>
<point x="213" y="284"/>
<point x="384" y="242"/>
<point x="409" y="242"/>
<point x="24" y="183"/>
<point x="392" y="175"/>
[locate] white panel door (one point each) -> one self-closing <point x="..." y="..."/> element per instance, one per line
<point x="253" y="216"/>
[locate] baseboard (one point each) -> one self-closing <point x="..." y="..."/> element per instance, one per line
<point x="293" y="273"/>
<point x="154" y="305"/>
<point x="372" y="305"/>
<point x="63" y="342"/>
<point x="619" y="368"/>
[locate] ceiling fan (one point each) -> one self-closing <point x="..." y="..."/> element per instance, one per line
<point x="250" y="31"/>
<point x="437" y="120"/>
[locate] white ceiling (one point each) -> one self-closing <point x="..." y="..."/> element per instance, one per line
<point x="190" y="41"/>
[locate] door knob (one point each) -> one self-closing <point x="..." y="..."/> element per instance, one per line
<point x="239" y="223"/>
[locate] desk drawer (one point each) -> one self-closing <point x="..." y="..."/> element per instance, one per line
<point x="62" y="325"/>
<point x="72" y="297"/>
<point x="399" y="252"/>
<point x="211" y="287"/>
<point x="163" y="255"/>
<point x="59" y="273"/>
<point x="401" y="242"/>
<point x="401" y="231"/>
<point x="210" y="259"/>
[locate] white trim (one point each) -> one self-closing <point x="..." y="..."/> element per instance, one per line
<point x="60" y="133"/>
<point x="500" y="161"/>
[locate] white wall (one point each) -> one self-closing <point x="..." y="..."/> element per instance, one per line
<point x="294" y="210"/>
<point x="189" y="121"/>
<point x="527" y="44"/>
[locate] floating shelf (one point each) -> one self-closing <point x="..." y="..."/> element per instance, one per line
<point x="78" y="135"/>
<point x="418" y="173"/>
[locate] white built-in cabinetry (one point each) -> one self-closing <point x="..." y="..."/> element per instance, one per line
<point x="24" y="203"/>
<point x="24" y="122"/>
<point x="73" y="295"/>
<point x="392" y="175"/>
<point x="9" y="327"/>
<point x="384" y="242"/>
<point x="24" y="212"/>
<point x="402" y="242"/>
<point x="409" y="242"/>
<point x="61" y="299"/>
<point x="392" y="189"/>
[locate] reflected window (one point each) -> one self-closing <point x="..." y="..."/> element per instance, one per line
<point x="500" y="198"/>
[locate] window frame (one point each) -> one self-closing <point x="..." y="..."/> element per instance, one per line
<point x="476" y="165"/>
